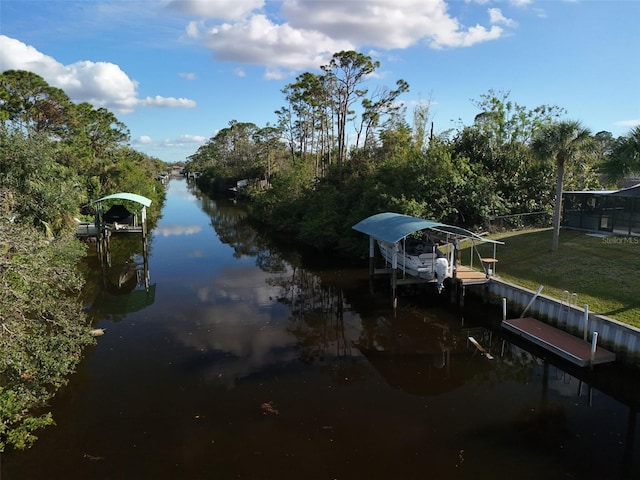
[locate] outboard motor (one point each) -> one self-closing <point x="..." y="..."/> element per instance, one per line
<point x="441" y="272"/>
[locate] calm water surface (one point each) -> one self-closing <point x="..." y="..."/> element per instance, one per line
<point x="245" y="360"/>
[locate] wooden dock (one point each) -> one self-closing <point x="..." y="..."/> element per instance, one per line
<point x="464" y="275"/>
<point x="86" y="230"/>
<point x="559" y="342"/>
<point x="468" y="276"/>
<point x="89" y="230"/>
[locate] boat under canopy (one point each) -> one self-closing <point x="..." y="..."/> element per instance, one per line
<point x="117" y="214"/>
<point x="423" y="258"/>
<point x="392" y="227"/>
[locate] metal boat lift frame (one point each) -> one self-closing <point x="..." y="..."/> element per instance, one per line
<point x="392" y="228"/>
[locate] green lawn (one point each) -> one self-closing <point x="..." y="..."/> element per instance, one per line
<point x="603" y="272"/>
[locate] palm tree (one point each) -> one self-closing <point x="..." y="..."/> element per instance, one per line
<point x="564" y="142"/>
<point x="625" y="156"/>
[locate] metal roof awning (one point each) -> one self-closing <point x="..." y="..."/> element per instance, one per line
<point x="633" y="191"/>
<point x="392" y="227"/>
<point x="589" y="192"/>
<point x="126" y="196"/>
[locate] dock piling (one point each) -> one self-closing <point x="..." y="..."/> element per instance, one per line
<point x="594" y="346"/>
<point x="504" y="309"/>
<point x="585" y="325"/>
<point x="372" y="256"/>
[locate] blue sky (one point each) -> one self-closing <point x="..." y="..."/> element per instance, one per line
<point x="177" y="71"/>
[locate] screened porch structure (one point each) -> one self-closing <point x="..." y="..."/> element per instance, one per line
<point x="607" y="211"/>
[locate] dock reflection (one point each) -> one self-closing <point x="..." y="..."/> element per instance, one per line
<point x="125" y="286"/>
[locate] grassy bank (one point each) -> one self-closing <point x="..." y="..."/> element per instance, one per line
<point x="603" y="272"/>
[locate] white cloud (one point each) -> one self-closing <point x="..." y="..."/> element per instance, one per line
<point x="309" y="32"/>
<point x="193" y="138"/>
<point x="381" y="24"/>
<point x="386" y="24"/>
<point x="262" y="42"/>
<point x="184" y="140"/>
<point x="188" y="75"/>
<point x="165" y="102"/>
<point x="496" y="17"/>
<point x="628" y="123"/>
<point x="222" y="9"/>
<point x="521" y="3"/>
<point x="515" y="3"/>
<point x="277" y="74"/>
<point x="193" y="29"/>
<point x="15" y="55"/>
<point x="476" y="34"/>
<point x="101" y="84"/>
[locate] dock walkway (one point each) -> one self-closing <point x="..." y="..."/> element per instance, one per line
<point x="469" y="276"/>
<point x="559" y="342"/>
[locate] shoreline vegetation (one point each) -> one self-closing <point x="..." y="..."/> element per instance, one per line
<point x="308" y="176"/>
<point x="312" y="179"/>
<point x="55" y="158"/>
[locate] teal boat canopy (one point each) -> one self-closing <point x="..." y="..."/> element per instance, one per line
<point x="126" y="196"/>
<point x="392" y="227"/>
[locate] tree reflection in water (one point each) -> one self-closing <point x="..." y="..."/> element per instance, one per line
<point x="260" y="360"/>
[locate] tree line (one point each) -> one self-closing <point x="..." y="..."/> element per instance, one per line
<point x="55" y="157"/>
<point x="324" y="177"/>
<point x="338" y="152"/>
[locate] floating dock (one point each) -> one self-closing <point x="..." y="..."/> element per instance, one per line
<point x="559" y="342"/>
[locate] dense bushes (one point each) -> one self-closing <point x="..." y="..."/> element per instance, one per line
<point x="42" y="326"/>
<point x="50" y="166"/>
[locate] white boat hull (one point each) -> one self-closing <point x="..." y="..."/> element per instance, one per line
<point x="426" y="263"/>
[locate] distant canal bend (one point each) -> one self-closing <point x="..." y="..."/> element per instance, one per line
<point x="228" y="356"/>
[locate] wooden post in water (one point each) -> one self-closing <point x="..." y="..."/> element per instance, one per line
<point x="594" y="346"/>
<point x="143" y="216"/>
<point x="372" y="264"/>
<point x="394" y="270"/>
<point x="585" y="325"/>
<point x="456" y="255"/>
<point x="372" y="255"/>
<point x="504" y="309"/>
<point x="453" y="291"/>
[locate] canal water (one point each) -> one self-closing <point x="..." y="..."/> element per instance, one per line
<point x="230" y="355"/>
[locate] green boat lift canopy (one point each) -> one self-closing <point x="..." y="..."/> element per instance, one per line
<point x="128" y="225"/>
<point x="126" y="196"/>
<point x="392" y="227"/>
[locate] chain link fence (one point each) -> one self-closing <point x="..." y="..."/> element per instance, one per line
<point x="520" y="221"/>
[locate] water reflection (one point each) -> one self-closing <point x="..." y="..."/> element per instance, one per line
<point x="238" y="327"/>
<point x="421" y="353"/>
<point x="253" y="362"/>
<point x="123" y="285"/>
<point x="425" y="357"/>
<point x="168" y="230"/>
